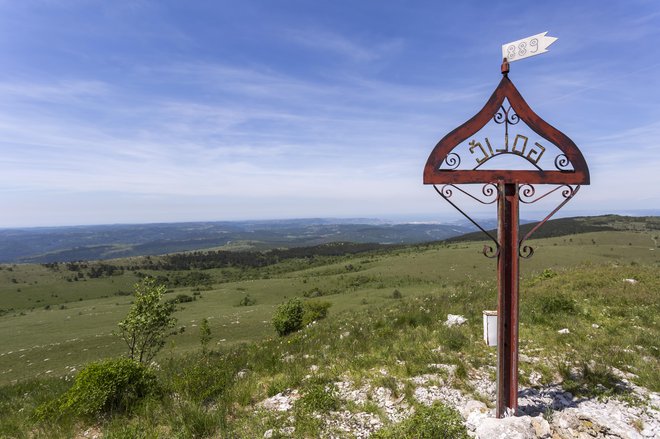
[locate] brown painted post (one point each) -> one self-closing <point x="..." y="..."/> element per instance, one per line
<point x="507" y="299"/>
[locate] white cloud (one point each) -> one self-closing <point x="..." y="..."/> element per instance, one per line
<point x="324" y="40"/>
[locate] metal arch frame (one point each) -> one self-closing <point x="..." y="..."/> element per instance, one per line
<point x="512" y="188"/>
<point x="506" y="90"/>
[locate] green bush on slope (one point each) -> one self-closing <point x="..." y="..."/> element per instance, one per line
<point x="292" y="315"/>
<point x="108" y="386"/>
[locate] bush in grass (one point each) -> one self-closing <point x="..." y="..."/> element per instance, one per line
<point x="315" y="310"/>
<point x="108" y="386"/>
<point x="288" y="316"/>
<point x="437" y="421"/>
<point x="247" y="301"/>
<point x="181" y="298"/>
<point x="294" y="314"/>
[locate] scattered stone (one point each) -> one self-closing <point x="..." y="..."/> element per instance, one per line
<point x="91" y="433"/>
<point x="631" y="281"/>
<point x="455" y="320"/>
<point x="449" y="368"/>
<point x="513" y="427"/>
<point x="473" y="406"/>
<point x="595" y="325"/>
<point x="358" y="425"/>
<point x="545" y="412"/>
<point x="446" y="395"/>
<point x="395" y="408"/>
<point x="527" y="359"/>
<point x="242" y="373"/>
<point x="535" y="378"/>
<point x="346" y="391"/>
<point x="282" y="402"/>
<point x="288" y="431"/>
<point x="564" y="331"/>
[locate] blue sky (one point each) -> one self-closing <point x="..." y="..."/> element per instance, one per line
<point x="158" y="111"/>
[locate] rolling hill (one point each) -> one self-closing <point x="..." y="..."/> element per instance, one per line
<point x="61" y="244"/>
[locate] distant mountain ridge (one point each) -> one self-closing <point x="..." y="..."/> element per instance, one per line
<point x="99" y="242"/>
<point x="576" y="225"/>
<point x="72" y="243"/>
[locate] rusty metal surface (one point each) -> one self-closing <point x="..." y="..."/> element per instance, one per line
<point x="495" y="110"/>
<point x="508" y="188"/>
<point x="507" y="303"/>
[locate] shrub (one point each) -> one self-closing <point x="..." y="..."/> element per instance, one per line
<point x="437" y="421"/>
<point x="548" y="273"/>
<point x="108" y="386"/>
<point x="181" y="298"/>
<point x="288" y="316"/>
<point x="247" y="301"/>
<point x="396" y="294"/>
<point x="315" y="310"/>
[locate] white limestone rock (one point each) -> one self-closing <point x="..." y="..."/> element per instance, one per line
<point x="455" y="320"/>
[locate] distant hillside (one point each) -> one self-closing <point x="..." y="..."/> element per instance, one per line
<point x="62" y="244"/>
<point x="580" y="224"/>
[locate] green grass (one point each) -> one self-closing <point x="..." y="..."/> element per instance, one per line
<point x="569" y="283"/>
<point x="36" y="340"/>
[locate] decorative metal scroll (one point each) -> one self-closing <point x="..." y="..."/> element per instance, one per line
<point x="488" y="190"/>
<point x="526" y="195"/>
<point x="526" y="192"/>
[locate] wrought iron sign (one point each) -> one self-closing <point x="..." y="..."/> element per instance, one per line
<point x="547" y="158"/>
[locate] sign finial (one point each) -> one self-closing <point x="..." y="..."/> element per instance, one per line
<point x="505" y="66"/>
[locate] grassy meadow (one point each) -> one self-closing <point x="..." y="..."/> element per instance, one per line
<point x="51" y="326"/>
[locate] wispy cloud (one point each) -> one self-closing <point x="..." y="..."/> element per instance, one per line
<point x="327" y="41"/>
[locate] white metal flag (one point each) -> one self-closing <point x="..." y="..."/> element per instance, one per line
<point x="530" y="46"/>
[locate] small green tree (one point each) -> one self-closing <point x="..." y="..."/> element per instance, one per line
<point x="148" y="321"/>
<point x="204" y="334"/>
